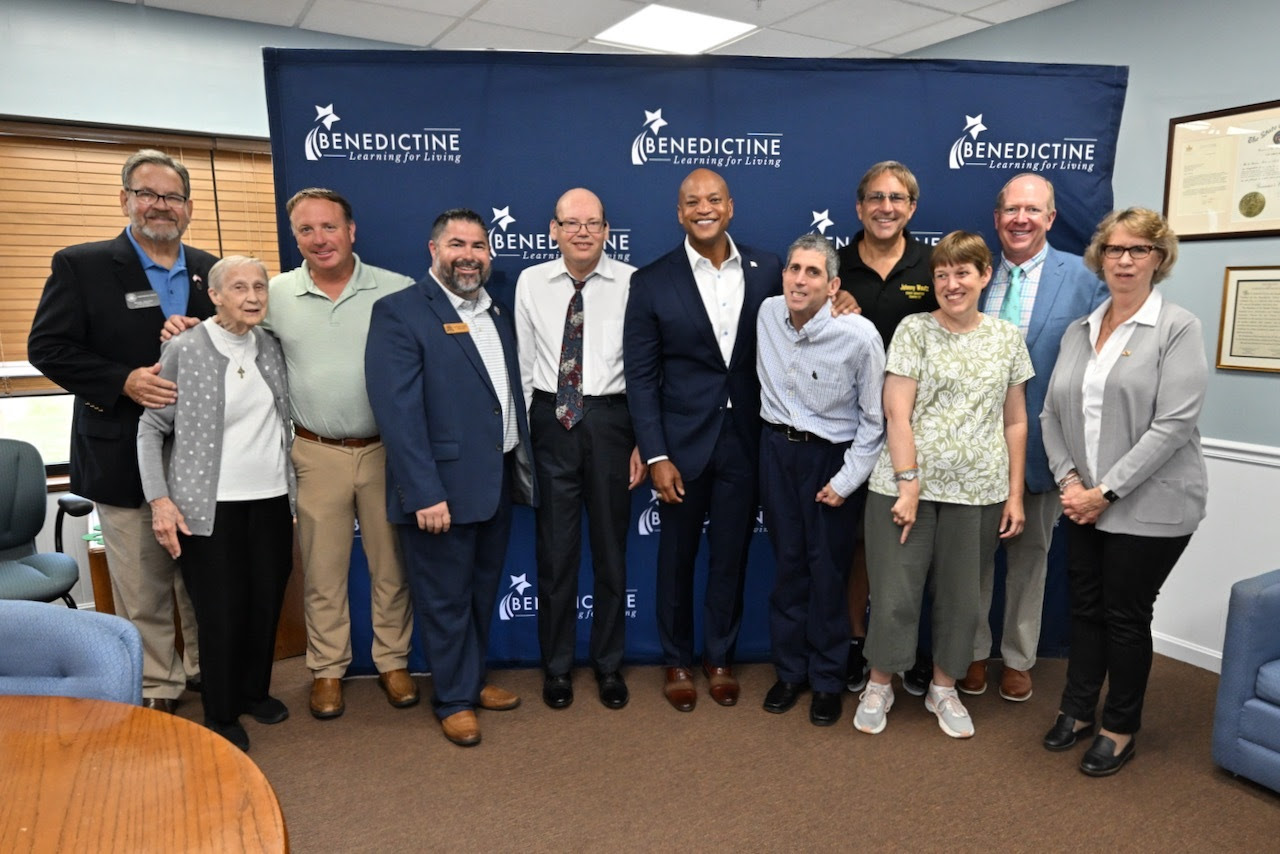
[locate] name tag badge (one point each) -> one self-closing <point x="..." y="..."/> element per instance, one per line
<point x="456" y="329"/>
<point x="142" y="299"/>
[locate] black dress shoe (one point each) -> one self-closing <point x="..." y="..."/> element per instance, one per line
<point x="160" y="704"/>
<point x="826" y="707"/>
<point x="268" y="711"/>
<point x="195" y="685"/>
<point x="557" y="691"/>
<point x="1064" y="735"/>
<point x="783" y="695"/>
<point x="613" y="691"/>
<point x="232" y="732"/>
<point x="1101" y="759"/>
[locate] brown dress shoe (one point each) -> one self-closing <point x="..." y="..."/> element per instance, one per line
<point x="326" y="699"/>
<point x="679" y="689"/>
<point x="724" y="685"/>
<point x="400" y="688"/>
<point x="160" y="704"/>
<point x="1015" y="685"/>
<point x="496" y="699"/>
<point x="975" y="679"/>
<point x="461" y="728"/>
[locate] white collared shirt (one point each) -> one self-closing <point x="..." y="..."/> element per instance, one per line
<point x="722" y="292"/>
<point x="543" y="292"/>
<point x="1100" y="365"/>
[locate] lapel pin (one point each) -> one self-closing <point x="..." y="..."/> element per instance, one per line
<point x="753" y="263"/>
<point x="1124" y="353"/>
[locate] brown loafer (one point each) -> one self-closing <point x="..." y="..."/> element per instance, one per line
<point x="724" y="685"/>
<point x="160" y="704"/>
<point x="496" y="699"/>
<point x="326" y="699"/>
<point x="679" y="689"/>
<point x="975" y="679"/>
<point x="1015" y="685"/>
<point x="400" y="688"/>
<point x="461" y="728"/>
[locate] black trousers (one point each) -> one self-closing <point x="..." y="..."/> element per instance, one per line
<point x="1114" y="580"/>
<point x="724" y="496"/>
<point x="586" y="467"/>
<point x="236" y="577"/>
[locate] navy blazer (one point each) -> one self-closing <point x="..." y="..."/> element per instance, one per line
<point x="677" y="382"/>
<point x="1068" y="290"/>
<point x="87" y="339"/>
<point x="437" y="410"/>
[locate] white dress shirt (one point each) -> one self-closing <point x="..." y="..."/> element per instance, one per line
<point x="722" y="291"/>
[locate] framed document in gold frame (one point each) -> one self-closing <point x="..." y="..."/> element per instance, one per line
<point x="1222" y="173"/>
<point x="1249" y="332"/>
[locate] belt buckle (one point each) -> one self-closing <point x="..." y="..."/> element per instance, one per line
<point x="794" y="435"/>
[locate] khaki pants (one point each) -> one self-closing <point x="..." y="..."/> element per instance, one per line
<point x="144" y="583"/>
<point x="336" y="486"/>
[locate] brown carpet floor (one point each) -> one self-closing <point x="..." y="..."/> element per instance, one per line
<point x="648" y="778"/>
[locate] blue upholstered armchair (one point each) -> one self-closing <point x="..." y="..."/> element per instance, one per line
<point x="1246" y="724"/>
<point x="50" y="650"/>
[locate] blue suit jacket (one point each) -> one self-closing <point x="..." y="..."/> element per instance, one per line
<point x="437" y="410"/>
<point x="677" y="382"/>
<point x="1068" y="290"/>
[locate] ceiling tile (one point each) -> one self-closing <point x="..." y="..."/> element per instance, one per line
<point x="372" y="21"/>
<point x="472" y="35"/>
<point x="761" y="14"/>
<point x="1007" y="10"/>
<point x="581" y="18"/>
<point x="452" y="8"/>
<point x="282" y="13"/>
<point x="778" y="43"/>
<point x="958" y="7"/>
<point x="864" y="53"/>
<point x="924" y="36"/>
<point x="862" y="22"/>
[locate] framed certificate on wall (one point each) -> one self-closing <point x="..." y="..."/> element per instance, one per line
<point x="1249" y="334"/>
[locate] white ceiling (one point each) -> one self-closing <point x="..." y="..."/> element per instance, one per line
<point x="803" y="28"/>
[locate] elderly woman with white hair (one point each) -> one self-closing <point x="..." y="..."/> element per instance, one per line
<point x="215" y="468"/>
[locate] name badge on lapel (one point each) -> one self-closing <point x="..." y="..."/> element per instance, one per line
<point x="456" y="329"/>
<point x="142" y="299"/>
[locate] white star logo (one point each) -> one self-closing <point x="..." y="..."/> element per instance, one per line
<point x="973" y="125"/>
<point x="327" y="116"/>
<point x="502" y="217"/>
<point x="821" y="221"/>
<point x="654" y="121"/>
<point x="520" y="583"/>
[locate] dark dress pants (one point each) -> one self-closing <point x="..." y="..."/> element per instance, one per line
<point x="724" y="495"/>
<point x="586" y="466"/>
<point x="236" y="578"/>
<point x="813" y="550"/>
<point x="454" y="579"/>
<point x="1114" y="580"/>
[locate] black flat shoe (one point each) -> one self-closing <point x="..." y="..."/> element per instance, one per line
<point x="268" y="711"/>
<point x="231" y="731"/>
<point x="826" y="707"/>
<point x="1101" y="759"/>
<point x="613" y="690"/>
<point x="783" y="695"/>
<point x="1064" y="735"/>
<point x="557" y="691"/>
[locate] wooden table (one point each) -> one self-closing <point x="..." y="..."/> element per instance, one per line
<point x="90" y="775"/>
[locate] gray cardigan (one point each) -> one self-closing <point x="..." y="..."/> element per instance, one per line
<point x="170" y="439"/>
<point x="1149" y="449"/>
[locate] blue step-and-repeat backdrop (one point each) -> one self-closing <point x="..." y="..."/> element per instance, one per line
<point x="407" y="134"/>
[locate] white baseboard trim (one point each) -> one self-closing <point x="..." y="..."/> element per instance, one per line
<point x="1241" y="452"/>
<point x="1185" y="651"/>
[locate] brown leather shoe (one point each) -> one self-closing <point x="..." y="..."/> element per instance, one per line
<point x="462" y="728"/>
<point x="160" y="704"/>
<point x="975" y="679"/>
<point x="497" y="699"/>
<point x="1015" y="685"/>
<point x="400" y="688"/>
<point x="326" y="699"/>
<point x="679" y="689"/>
<point x="724" y="685"/>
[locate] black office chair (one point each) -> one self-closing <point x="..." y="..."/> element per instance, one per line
<point x="24" y="572"/>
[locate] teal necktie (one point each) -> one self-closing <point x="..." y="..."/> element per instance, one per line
<point x="1011" y="308"/>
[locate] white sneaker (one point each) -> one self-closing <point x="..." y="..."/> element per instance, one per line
<point x="873" y="704"/>
<point x="953" y="717"/>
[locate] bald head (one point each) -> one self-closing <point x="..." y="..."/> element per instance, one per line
<point x="705" y="209"/>
<point x="580" y="229"/>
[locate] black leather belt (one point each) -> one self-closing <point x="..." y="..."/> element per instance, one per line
<point x="539" y="394"/>
<point x="794" y="435"/>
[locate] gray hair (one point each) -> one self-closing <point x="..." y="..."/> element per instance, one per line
<point x="155" y="158"/>
<point x="815" y="242"/>
<point x="232" y="262"/>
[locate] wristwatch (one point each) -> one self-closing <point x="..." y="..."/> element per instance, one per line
<point x="906" y="474"/>
<point x="1109" y="494"/>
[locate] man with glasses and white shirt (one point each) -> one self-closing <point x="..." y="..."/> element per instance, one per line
<point x="569" y="327"/>
<point x="1040" y="290"/>
<point x="96" y="333"/>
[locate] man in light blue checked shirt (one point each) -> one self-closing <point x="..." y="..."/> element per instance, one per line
<point x="821" y="379"/>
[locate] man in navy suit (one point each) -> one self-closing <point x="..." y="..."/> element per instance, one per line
<point x="444" y="381"/>
<point x="1040" y="290"/>
<point x="689" y="352"/>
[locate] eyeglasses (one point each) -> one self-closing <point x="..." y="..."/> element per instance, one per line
<point x="1137" y="253"/>
<point x="1029" y="211"/>
<point x="572" y="226"/>
<point x="147" y="197"/>
<point x="895" y="199"/>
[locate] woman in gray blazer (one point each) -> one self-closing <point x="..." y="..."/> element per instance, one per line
<point x="1120" y="430"/>
<point x="215" y="469"/>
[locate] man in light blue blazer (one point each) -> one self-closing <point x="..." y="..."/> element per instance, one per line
<point x="444" y="381"/>
<point x="1040" y="290"/>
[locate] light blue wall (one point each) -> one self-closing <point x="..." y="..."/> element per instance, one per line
<point x="1183" y="59"/>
